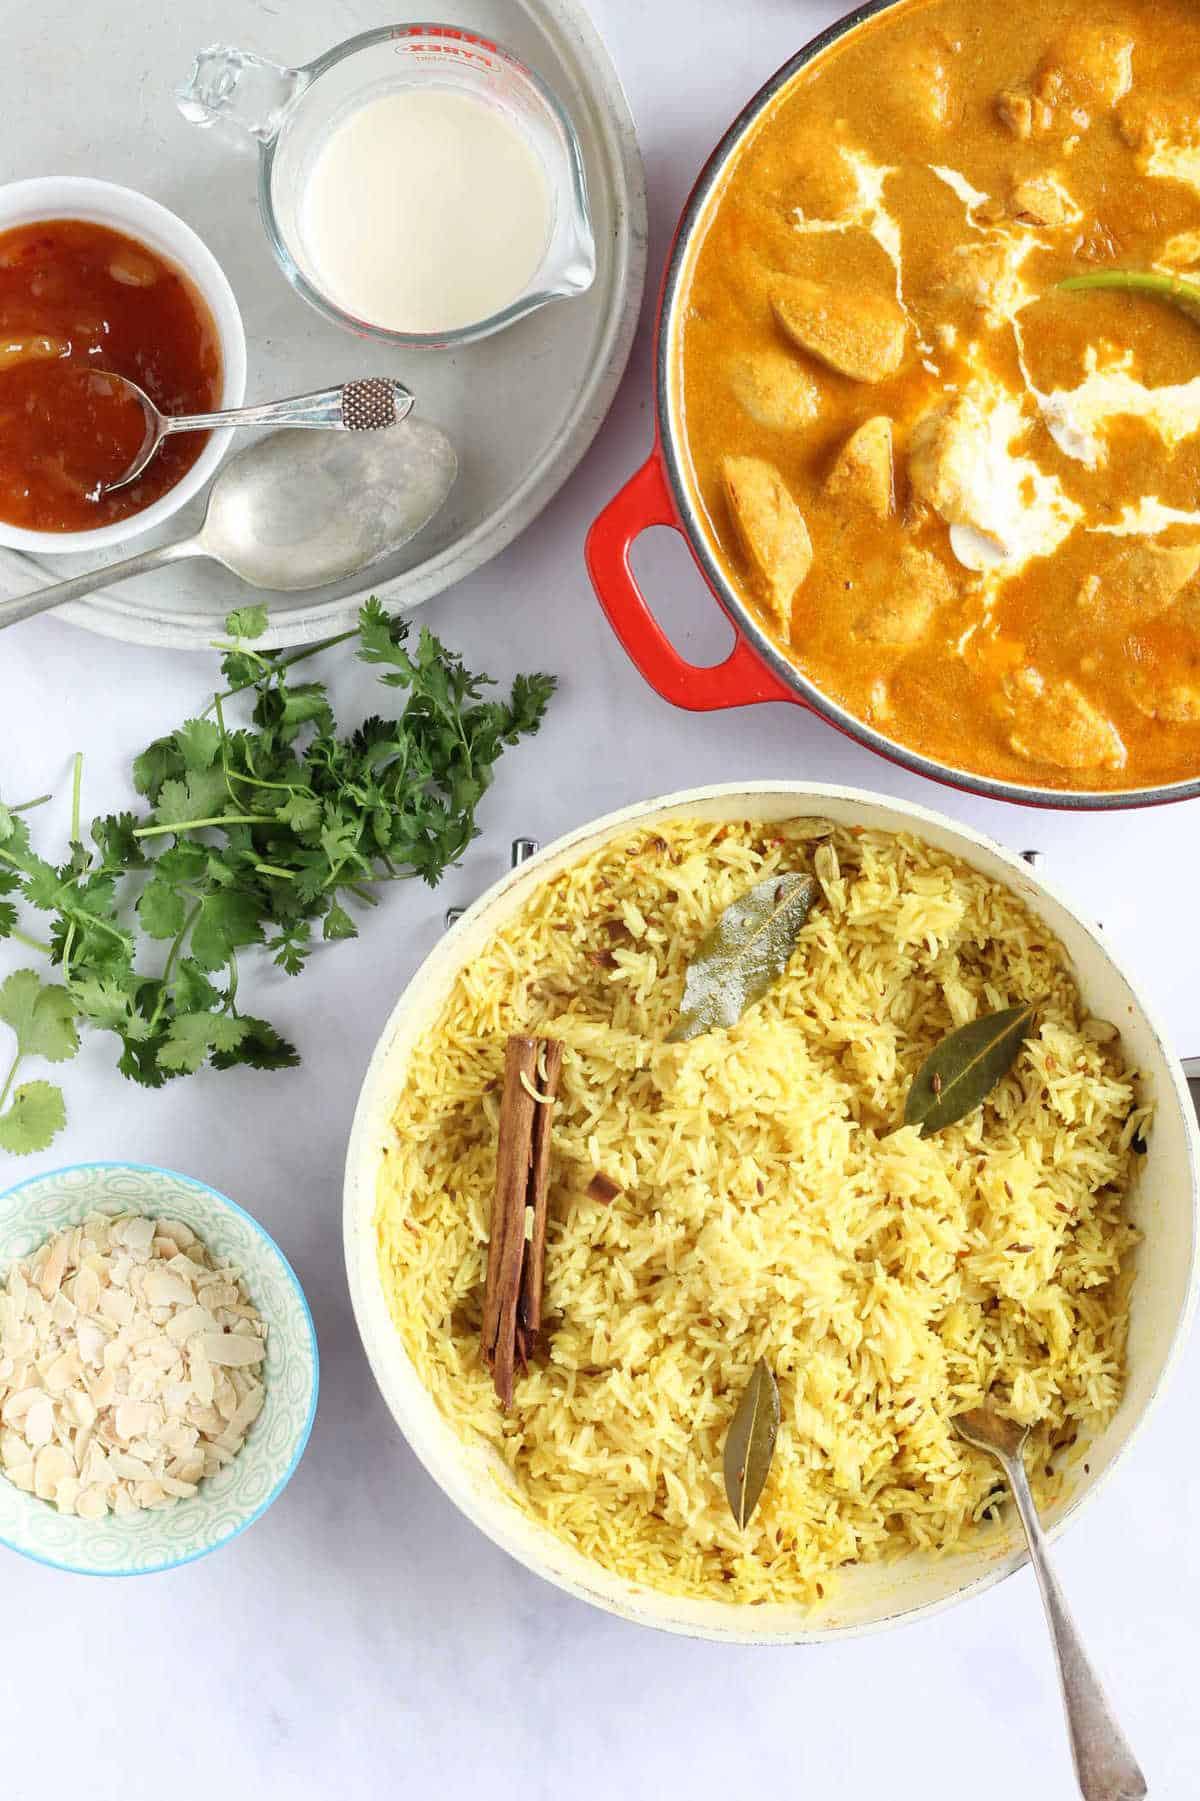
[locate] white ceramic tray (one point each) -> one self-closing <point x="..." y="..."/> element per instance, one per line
<point x="521" y="407"/>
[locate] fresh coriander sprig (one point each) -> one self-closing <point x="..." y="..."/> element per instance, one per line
<point x="42" y="1018"/>
<point x="255" y="833"/>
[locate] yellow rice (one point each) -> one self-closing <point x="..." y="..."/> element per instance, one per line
<point x="768" y="1210"/>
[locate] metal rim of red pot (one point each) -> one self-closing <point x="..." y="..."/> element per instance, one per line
<point x="658" y="495"/>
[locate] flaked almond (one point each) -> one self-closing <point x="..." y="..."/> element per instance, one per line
<point x="175" y="1228"/>
<point x="18" y="1404"/>
<point x="163" y="1288"/>
<point x="200" y="1371"/>
<point x="171" y="1485"/>
<point x="132" y="1418"/>
<point x="66" y="1493"/>
<point x="13" y="1448"/>
<point x="90" y="1340"/>
<point x="79" y="1408"/>
<point x="128" y="1367"/>
<point x="51" y="1466"/>
<point x="54" y="1267"/>
<point x="219" y="1294"/>
<point x="39" y="1422"/>
<point x="63" y="1371"/>
<point x="135" y="1233"/>
<point x="117" y="1305"/>
<point x="232" y="1348"/>
<point x="187" y="1322"/>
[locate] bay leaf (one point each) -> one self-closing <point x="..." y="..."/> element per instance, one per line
<point x="1157" y="283"/>
<point x="746" y="951"/>
<point x="964" y="1068"/>
<point x="750" y="1442"/>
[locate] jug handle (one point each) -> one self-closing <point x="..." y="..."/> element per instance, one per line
<point x="238" y="86"/>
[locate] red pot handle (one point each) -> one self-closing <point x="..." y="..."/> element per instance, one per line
<point x="739" y="681"/>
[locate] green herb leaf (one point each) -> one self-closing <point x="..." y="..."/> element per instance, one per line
<point x="193" y="1035"/>
<point x="198" y="742"/>
<point x="202" y="794"/>
<point x="114" y="839"/>
<point x="262" y="826"/>
<point x="750" y="1442"/>
<point x="160" y="762"/>
<point x="246" y="622"/>
<point x="41" y="1015"/>
<point x="10" y="883"/>
<point x="228" y="920"/>
<point x="184" y="862"/>
<point x="338" y="924"/>
<point x="1156" y="283"/>
<point x="290" y="948"/>
<point x="379" y="639"/>
<point x="261" y="1048"/>
<point x="964" y="1068"/>
<point x="139" y="1063"/>
<point x="160" y="909"/>
<point x="34" y="1120"/>
<point x="43" y="886"/>
<point x="301" y="812"/>
<point x="104" y="1000"/>
<point x="746" y="951"/>
<point x="194" y="993"/>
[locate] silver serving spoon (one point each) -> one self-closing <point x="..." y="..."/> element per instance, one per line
<point x="1105" y="1767"/>
<point x="296" y="512"/>
<point x="371" y="404"/>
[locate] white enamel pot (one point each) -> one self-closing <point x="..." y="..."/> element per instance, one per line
<point x="1165" y="1205"/>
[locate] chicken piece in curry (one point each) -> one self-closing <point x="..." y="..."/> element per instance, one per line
<point x="963" y="499"/>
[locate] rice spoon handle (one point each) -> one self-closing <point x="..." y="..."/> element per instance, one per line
<point x="1105" y="1767"/>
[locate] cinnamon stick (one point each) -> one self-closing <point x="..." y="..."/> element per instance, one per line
<point x="533" y="1274"/>
<point x="512" y="1300"/>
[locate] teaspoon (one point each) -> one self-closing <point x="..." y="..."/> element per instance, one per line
<point x="371" y="404"/>
<point x="1105" y="1767"/>
<point x="296" y="512"/>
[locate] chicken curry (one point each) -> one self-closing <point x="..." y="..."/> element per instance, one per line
<point x="962" y="497"/>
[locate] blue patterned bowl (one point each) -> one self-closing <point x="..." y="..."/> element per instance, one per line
<point x="161" y="1538"/>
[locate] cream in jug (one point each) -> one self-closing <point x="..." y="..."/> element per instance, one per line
<point x="426" y="210"/>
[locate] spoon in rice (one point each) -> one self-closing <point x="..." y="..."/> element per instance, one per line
<point x="1105" y="1767"/>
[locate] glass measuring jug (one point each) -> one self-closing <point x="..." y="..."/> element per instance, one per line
<point x="293" y="113"/>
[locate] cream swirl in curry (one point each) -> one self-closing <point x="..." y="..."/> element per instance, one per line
<point x="966" y="501"/>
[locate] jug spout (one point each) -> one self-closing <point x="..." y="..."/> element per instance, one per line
<point x="237" y="86"/>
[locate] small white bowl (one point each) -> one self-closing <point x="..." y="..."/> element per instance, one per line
<point x="137" y="216"/>
<point x="224" y="1505"/>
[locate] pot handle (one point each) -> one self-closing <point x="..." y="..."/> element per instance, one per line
<point x="740" y="681"/>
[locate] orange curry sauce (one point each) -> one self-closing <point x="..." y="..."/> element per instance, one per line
<point x="77" y="299"/>
<point x="934" y="176"/>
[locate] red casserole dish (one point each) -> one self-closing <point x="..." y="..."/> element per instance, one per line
<point x="659" y="494"/>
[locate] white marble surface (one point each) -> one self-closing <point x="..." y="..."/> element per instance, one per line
<point x="363" y="1639"/>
